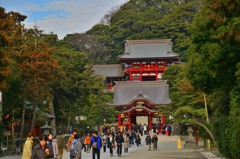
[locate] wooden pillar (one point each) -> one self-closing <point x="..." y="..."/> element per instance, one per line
<point x="129" y="122"/>
<point x="150" y="121"/>
<point x="163" y="119"/>
<point x="34" y="131"/>
<point x="119" y="120"/>
<point x="110" y="85"/>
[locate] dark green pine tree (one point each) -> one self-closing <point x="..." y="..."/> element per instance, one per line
<point x="140" y="19"/>
<point x="214" y="60"/>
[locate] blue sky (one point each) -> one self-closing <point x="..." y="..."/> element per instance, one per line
<point x="62" y="16"/>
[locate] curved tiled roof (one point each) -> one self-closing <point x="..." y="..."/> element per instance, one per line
<point x="148" y="49"/>
<point x="155" y="92"/>
<point x="110" y="70"/>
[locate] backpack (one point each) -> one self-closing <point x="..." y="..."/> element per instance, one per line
<point x="95" y="144"/>
<point x="73" y="153"/>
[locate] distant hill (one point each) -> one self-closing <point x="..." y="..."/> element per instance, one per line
<point x="137" y="19"/>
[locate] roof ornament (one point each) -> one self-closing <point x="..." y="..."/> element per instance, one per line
<point x="140" y="94"/>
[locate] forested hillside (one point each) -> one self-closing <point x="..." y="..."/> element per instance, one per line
<point x="138" y="19"/>
<point x="212" y="70"/>
<point x="214" y="62"/>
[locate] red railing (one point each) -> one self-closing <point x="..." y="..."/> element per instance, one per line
<point x="137" y="71"/>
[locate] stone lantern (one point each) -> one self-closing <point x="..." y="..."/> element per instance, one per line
<point x="46" y="129"/>
<point x="190" y="141"/>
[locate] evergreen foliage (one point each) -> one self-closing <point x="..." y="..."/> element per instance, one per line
<point x="140" y="19"/>
<point x="10" y="31"/>
<point x="214" y="51"/>
<point x="222" y="133"/>
<point x="213" y="67"/>
<point x="234" y="119"/>
<point x="187" y="103"/>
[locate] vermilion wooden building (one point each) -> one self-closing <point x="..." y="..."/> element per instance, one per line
<point x="111" y="72"/>
<point x="138" y="87"/>
<point x="134" y="99"/>
<point x="146" y="60"/>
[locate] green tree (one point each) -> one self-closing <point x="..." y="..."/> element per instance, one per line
<point x="10" y="30"/>
<point x="234" y="129"/>
<point x="214" y="62"/>
<point x="76" y="84"/>
<point x="139" y="19"/>
<point x="215" y="46"/>
<point x="37" y="70"/>
<point x="187" y="103"/>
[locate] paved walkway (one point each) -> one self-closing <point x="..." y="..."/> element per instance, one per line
<point x="167" y="149"/>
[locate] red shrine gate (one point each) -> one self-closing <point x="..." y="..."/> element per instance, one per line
<point x="138" y="88"/>
<point x="134" y="99"/>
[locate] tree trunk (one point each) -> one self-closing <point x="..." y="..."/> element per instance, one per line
<point x="34" y="116"/>
<point x="208" y="131"/>
<point x="52" y="112"/>
<point x="68" y="125"/>
<point x="206" y="109"/>
<point x="23" y="120"/>
<point x="35" y="96"/>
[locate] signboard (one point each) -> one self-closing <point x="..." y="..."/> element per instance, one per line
<point x="77" y="118"/>
<point x="0" y="106"/>
<point x="7" y="133"/>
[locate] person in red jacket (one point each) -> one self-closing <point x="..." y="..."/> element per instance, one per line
<point x="87" y="142"/>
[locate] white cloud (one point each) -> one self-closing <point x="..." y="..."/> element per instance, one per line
<point x="33" y="7"/>
<point x="79" y="16"/>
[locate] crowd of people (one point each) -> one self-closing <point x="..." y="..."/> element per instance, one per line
<point x="111" y="138"/>
<point x="49" y="146"/>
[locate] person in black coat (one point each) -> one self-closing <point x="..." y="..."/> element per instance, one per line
<point x="110" y="143"/>
<point x="132" y="137"/>
<point x="148" y="141"/>
<point x="138" y="139"/>
<point x="119" y="141"/>
<point x="42" y="150"/>
<point x="154" y="141"/>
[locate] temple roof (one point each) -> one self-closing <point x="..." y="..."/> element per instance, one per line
<point x="148" y="49"/>
<point x="154" y="92"/>
<point x="111" y="70"/>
